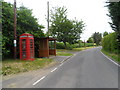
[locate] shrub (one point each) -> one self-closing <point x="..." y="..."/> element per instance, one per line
<point x="109" y="43"/>
<point x="60" y="45"/>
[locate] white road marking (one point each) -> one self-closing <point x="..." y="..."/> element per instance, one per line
<point x="54" y="70"/>
<point x="110" y="59"/>
<point x="39" y="80"/>
<point x="61" y="64"/>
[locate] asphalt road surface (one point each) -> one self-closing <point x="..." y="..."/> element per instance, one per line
<point x="87" y="69"/>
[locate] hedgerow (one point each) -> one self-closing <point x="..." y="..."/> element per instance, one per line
<point x="109" y="43"/>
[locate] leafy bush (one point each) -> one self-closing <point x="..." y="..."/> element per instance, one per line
<point x="60" y="45"/>
<point x="109" y="43"/>
<point x="75" y="45"/>
<point x="26" y="23"/>
<point x="89" y="44"/>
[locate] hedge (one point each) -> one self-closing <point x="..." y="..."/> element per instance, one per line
<point x="109" y="43"/>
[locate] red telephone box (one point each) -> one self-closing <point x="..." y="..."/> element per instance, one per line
<point x="26" y="46"/>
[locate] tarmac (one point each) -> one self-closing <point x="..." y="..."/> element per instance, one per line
<point x="61" y="59"/>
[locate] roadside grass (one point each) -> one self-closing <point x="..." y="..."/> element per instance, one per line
<point x="75" y="49"/>
<point x="113" y="56"/>
<point x="82" y="48"/>
<point x="64" y="54"/>
<point x="16" y="66"/>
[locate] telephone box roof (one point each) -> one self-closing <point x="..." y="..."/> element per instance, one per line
<point x="27" y="34"/>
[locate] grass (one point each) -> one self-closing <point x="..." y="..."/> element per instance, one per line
<point x="64" y="54"/>
<point x="11" y="66"/>
<point x="81" y="48"/>
<point x="75" y="49"/>
<point x="17" y="66"/>
<point x="112" y="55"/>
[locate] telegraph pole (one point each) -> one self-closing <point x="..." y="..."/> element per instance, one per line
<point x="15" y="36"/>
<point x="48" y="18"/>
<point x="84" y="44"/>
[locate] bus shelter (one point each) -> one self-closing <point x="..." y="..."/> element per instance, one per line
<point x="47" y="47"/>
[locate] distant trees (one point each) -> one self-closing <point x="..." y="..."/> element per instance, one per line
<point x="97" y="37"/>
<point x="26" y="23"/>
<point x="62" y="28"/>
<point x="105" y="33"/>
<point x="90" y="40"/>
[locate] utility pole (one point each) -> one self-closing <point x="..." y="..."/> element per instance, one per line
<point x="15" y="36"/>
<point x="48" y="18"/>
<point x="84" y="44"/>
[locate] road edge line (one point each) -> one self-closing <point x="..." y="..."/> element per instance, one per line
<point x="110" y="59"/>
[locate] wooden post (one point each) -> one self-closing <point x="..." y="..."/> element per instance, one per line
<point x="48" y="18"/>
<point x="15" y="36"/>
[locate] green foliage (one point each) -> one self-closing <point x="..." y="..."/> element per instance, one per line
<point x="97" y="37"/>
<point x="64" y="29"/>
<point x="114" y="10"/>
<point x="109" y="43"/>
<point x="60" y="45"/>
<point x="90" y="40"/>
<point x="26" y="23"/>
<point x="7" y="28"/>
<point x="105" y="33"/>
<point x="0" y="45"/>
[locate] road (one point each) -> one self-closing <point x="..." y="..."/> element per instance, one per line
<point x="88" y="69"/>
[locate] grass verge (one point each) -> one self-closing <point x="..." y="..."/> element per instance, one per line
<point x="75" y="49"/>
<point x="64" y="54"/>
<point x="113" y="56"/>
<point x="17" y="66"/>
<point x="81" y="48"/>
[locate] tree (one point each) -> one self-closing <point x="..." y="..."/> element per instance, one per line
<point x="114" y="14"/>
<point x="78" y="27"/>
<point x="105" y="33"/>
<point x="114" y="10"/>
<point x="26" y="23"/>
<point x="90" y="40"/>
<point x="62" y="28"/>
<point x="97" y="37"/>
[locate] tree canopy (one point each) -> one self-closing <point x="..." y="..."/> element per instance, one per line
<point x="97" y="37"/>
<point x="114" y="14"/>
<point x="62" y="28"/>
<point x="90" y="40"/>
<point x="105" y="33"/>
<point x="26" y="23"/>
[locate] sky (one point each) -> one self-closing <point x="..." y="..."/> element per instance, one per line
<point x="92" y="12"/>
